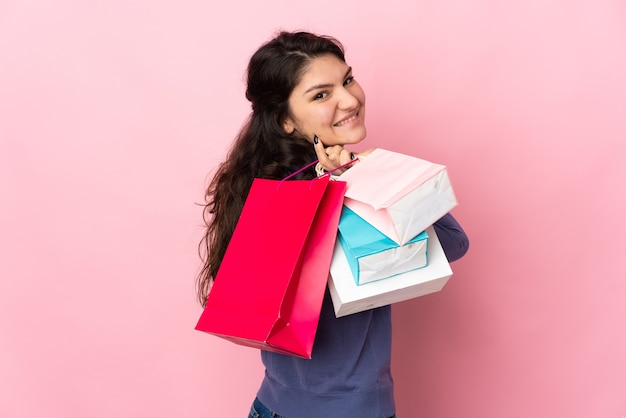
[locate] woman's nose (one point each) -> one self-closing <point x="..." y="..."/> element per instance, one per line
<point x="347" y="100"/>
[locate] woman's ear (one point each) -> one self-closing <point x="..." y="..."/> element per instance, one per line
<point x="288" y="126"/>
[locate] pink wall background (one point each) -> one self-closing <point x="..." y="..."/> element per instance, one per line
<point x="113" y="113"/>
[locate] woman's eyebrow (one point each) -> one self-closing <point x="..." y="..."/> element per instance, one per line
<point x="327" y="85"/>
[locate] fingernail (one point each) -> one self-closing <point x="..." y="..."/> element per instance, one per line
<point x="315" y="139"/>
<point x="352" y="156"/>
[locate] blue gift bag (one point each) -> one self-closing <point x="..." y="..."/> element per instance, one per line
<point x="372" y="255"/>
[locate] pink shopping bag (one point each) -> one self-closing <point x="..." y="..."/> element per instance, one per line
<point x="398" y="194"/>
<point x="269" y="289"/>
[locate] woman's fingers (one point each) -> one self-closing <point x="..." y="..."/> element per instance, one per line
<point x="322" y="156"/>
<point x="345" y="156"/>
<point x="331" y="157"/>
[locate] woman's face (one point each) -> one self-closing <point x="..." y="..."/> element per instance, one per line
<point x="329" y="103"/>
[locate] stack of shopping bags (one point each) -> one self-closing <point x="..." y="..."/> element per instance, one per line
<point x="394" y="199"/>
<point x="371" y="228"/>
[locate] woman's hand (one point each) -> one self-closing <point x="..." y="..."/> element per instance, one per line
<point x="335" y="156"/>
<point x="332" y="157"/>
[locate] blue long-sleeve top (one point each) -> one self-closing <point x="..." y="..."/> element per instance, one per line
<point x="349" y="374"/>
<point x="453" y="239"/>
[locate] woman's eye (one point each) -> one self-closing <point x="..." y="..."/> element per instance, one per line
<point x="320" y="96"/>
<point x="349" y="80"/>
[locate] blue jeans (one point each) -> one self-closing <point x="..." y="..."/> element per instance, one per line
<point x="259" y="410"/>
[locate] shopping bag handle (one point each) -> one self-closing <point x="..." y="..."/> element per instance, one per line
<point x="299" y="171"/>
<point x="311" y="164"/>
<point x="355" y="159"/>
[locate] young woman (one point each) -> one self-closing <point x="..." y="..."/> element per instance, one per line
<point x="307" y="105"/>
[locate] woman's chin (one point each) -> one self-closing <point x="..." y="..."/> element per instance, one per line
<point x="355" y="138"/>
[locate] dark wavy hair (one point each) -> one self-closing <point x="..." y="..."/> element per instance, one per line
<point x="262" y="149"/>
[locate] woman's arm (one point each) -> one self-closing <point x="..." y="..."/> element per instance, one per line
<point x="452" y="237"/>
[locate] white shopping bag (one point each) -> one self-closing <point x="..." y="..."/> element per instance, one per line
<point x="349" y="298"/>
<point x="398" y="194"/>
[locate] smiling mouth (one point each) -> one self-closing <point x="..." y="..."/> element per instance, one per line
<point x="350" y="119"/>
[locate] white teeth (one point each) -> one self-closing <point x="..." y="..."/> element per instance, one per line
<point x="350" y="119"/>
